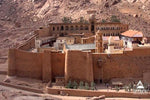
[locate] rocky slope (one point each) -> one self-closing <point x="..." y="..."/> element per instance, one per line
<point x="18" y="18"/>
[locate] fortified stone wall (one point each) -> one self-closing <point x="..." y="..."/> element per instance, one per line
<point x="44" y="66"/>
<point x="146" y="77"/>
<point x="78" y="66"/>
<point x="130" y="64"/>
<point x="58" y="64"/>
<point x="25" y="64"/>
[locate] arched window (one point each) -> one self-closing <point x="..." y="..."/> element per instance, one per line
<point x="86" y="28"/>
<point x="62" y="27"/>
<point x="71" y="27"/>
<point x="67" y="28"/>
<point x="77" y="28"/>
<point x="81" y="27"/>
<point x="53" y="28"/>
<point x="57" y="28"/>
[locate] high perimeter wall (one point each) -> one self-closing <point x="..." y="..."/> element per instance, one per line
<point x="80" y="66"/>
<point x="25" y="64"/>
<point x="86" y="66"/>
<point x="44" y="66"/>
<point x="130" y="64"/>
<point x="58" y="64"/>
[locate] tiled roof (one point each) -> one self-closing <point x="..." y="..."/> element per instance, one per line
<point x="80" y="47"/>
<point x="132" y="33"/>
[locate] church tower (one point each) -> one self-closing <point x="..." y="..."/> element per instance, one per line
<point x="99" y="42"/>
<point x="92" y="20"/>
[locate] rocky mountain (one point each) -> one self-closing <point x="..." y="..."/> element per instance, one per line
<point x="18" y="18"/>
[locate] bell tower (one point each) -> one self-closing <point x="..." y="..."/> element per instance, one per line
<point x="92" y="20"/>
<point x="99" y="42"/>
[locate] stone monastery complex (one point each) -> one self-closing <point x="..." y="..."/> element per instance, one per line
<point x="90" y="52"/>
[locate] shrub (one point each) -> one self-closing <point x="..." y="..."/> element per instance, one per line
<point x="75" y="85"/>
<point x="103" y="21"/>
<point x="117" y="88"/>
<point x="67" y="20"/>
<point x="130" y="87"/>
<point x="126" y="88"/>
<point x="114" y="19"/>
<point x="86" y="86"/>
<point x="69" y="84"/>
<point x="92" y="86"/>
<point x="82" y="20"/>
<point x="81" y="85"/>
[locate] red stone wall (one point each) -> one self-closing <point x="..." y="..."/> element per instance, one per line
<point x="78" y="66"/>
<point x="146" y="77"/>
<point x="28" y="64"/>
<point x="58" y="64"/>
<point x="44" y="66"/>
<point x="130" y="64"/>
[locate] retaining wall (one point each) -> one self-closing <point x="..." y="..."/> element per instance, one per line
<point x="90" y="93"/>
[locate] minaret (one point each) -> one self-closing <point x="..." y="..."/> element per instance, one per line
<point x="99" y="42"/>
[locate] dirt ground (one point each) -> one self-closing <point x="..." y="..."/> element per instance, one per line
<point x="7" y="93"/>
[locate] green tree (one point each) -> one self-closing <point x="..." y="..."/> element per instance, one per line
<point x="82" y="20"/>
<point x="86" y="86"/>
<point x="117" y="88"/>
<point x="92" y="85"/>
<point x="114" y="19"/>
<point x="81" y="85"/>
<point x="103" y="21"/>
<point x="69" y="84"/>
<point x="75" y="85"/>
<point x="67" y="20"/>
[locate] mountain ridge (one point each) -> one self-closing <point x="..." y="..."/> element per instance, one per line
<point x="18" y="18"/>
